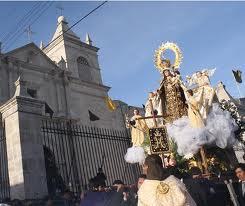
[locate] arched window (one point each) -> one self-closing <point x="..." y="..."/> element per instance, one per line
<point x="84" y="69"/>
<point x="83" y="61"/>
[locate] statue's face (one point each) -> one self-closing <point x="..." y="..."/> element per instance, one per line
<point x="199" y="74"/>
<point x="166" y="64"/>
<point x="151" y="95"/>
<point x="136" y="112"/>
<point x="166" y="73"/>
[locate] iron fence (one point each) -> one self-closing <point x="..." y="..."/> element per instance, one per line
<point x="4" y="177"/>
<point x="73" y="154"/>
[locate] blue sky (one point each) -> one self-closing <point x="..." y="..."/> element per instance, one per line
<point x="210" y="34"/>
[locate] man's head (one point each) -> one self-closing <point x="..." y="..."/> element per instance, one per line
<point x="118" y="184"/>
<point x="136" y="112"/>
<point x="141" y="179"/>
<point x="153" y="167"/>
<point x="100" y="188"/>
<point x="100" y="170"/>
<point x="240" y="171"/>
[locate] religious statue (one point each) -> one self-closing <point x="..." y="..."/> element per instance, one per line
<point x="194" y="115"/>
<point x="153" y="106"/>
<point x="170" y="91"/>
<point x="172" y="95"/>
<point x="138" y="129"/>
<point x="203" y="85"/>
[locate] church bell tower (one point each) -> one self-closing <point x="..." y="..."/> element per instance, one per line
<point x="80" y="58"/>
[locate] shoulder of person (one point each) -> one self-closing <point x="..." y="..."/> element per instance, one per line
<point x="172" y="190"/>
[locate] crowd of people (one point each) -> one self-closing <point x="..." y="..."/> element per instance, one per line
<point x="202" y="190"/>
<point x="193" y="188"/>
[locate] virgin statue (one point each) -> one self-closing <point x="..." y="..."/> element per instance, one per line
<point x="171" y="94"/>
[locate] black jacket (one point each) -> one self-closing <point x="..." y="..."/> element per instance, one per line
<point x="196" y="191"/>
<point x="238" y="190"/>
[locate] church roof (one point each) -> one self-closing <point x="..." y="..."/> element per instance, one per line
<point x="33" y="46"/>
<point x="64" y="33"/>
<point x="63" y="29"/>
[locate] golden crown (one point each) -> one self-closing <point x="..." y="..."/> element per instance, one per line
<point x="160" y="52"/>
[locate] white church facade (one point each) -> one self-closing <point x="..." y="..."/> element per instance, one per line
<point x="65" y="74"/>
<point x="62" y="80"/>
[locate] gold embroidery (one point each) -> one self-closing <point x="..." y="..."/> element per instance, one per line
<point x="162" y="188"/>
<point x="159" y="140"/>
<point x="175" y="107"/>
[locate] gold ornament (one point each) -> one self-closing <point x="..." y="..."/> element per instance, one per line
<point x="162" y="188"/>
<point x="161" y="50"/>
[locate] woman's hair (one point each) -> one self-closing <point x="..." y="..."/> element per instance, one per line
<point x="155" y="169"/>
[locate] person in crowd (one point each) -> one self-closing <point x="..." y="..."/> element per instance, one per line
<point x="92" y="184"/>
<point x="67" y="198"/>
<point x="101" y="178"/>
<point x="240" y="186"/>
<point x="119" y="195"/>
<point x="160" y="188"/>
<point x="116" y="193"/>
<point x="132" y="199"/>
<point x="141" y="179"/>
<point x="172" y="167"/>
<point x="206" y="191"/>
<point x="97" y="197"/>
<point x="194" y="187"/>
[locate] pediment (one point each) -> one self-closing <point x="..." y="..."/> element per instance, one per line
<point x="31" y="54"/>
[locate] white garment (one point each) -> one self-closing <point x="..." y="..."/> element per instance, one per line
<point x="219" y="130"/>
<point x="169" y="192"/>
<point x="157" y="105"/>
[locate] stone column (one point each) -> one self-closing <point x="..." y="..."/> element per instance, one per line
<point x="22" y="119"/>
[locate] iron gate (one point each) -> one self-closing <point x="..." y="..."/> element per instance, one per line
<point x="73" y="154"/>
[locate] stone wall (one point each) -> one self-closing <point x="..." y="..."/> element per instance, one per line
<point x="67" y="96"/>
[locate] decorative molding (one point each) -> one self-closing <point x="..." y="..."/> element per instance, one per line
<point x="21" y="104"/>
